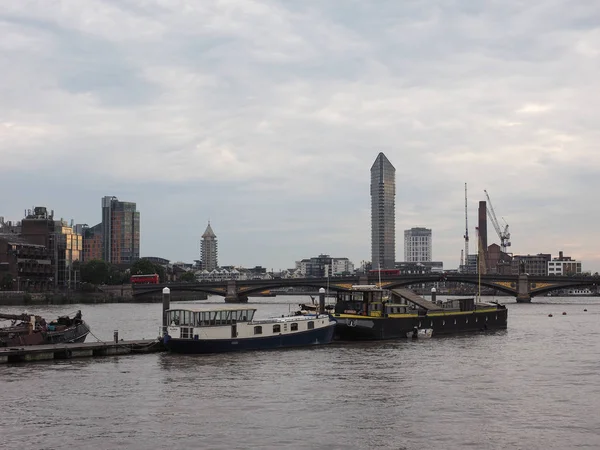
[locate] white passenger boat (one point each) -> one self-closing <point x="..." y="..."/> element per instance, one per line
<point x="231" y="328"/>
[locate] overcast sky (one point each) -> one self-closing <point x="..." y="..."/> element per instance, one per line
<point x="265" y="117"/>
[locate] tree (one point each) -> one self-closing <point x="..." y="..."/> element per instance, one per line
<point x="187" y="277"/>
<point x="6" y="282"/>
<point x="145" y="267"/>
<point x="116" y="276"/>
<point x="95" y="272"/>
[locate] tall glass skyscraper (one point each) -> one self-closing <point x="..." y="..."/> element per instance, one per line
<point x="383" y="213"/>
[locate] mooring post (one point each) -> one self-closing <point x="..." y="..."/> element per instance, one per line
<point x="433" y="294"/>
<point x="322" y="301"/>
<point x="116" y="336"/>
<point x="166" y="298"/>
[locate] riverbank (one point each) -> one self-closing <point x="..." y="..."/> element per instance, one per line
<point x="16" y="298"/>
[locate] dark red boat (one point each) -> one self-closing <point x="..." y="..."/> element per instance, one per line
<point x="29" y="329"/>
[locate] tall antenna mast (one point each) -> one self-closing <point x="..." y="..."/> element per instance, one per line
<point x="466" y="236"/>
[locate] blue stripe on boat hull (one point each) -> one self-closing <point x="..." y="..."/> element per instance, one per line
<point x="316" y="336"/>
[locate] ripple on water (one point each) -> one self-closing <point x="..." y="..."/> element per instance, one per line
<point x="532" y="386"/>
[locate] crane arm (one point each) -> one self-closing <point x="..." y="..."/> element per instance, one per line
<point x="492" y="216"/>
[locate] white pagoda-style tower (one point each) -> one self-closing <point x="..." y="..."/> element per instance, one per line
<point x="208" y="249"/>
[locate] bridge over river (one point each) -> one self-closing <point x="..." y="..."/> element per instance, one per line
<point x="523" y="286"/>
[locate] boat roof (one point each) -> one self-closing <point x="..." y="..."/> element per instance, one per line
<point x="416" y="299"/>
<point x="366" y="287"/>
<point x="204" y="308"/>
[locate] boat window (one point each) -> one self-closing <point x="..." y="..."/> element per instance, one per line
<point x="173" y="317"/>
<point x="310" y="325"/>
<point x="258" y="330"/>
<point x="276" y="328"/>
<point x="357" y="296"/>
<point x="234" y="315"/>
<point x="293" y="327"/>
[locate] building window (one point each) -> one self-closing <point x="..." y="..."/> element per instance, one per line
<point x="258" y="330"/>
<point x="294" y="327"/>
<point x="276" y="328"/>
<point x="310" y="325"/>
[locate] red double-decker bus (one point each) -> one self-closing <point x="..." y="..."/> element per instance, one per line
<point x="384" y="272"/>
<point x="145" y="279"/>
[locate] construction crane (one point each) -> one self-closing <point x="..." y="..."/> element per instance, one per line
<point x="503" y="233"/>
<point x="466" y="236"/>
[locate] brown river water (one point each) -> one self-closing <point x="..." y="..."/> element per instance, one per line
<point x="533" y="386"/>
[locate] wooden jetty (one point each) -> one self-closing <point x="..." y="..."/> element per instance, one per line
<point x="80" y="350"/>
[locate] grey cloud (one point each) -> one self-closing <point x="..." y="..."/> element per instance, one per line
<point x="266" y="116"/>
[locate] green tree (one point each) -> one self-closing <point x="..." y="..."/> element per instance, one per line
<point x="6" y="282"/>
<point x="145" y="267"/>
<point x="95" y="272"/>
<point x="117" y="276"/>
<point x="187" y="277"/>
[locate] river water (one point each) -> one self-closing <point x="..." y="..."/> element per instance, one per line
<point x="535" y="385"/>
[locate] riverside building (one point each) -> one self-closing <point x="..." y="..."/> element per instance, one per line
<point x="120" y="231"/>
<point x="417" y="245"/>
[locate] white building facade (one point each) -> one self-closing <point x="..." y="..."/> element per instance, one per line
<point x="417" y="245"/>
<point x="324" y="266"/>
<point x="564" y="265"/>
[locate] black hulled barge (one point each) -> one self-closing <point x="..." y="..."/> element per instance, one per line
<point x="367" y="312"/>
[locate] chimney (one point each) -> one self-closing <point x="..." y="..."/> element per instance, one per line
<point x="482" y="225"/>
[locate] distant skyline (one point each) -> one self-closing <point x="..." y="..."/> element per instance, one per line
<point x="265" y="117"/>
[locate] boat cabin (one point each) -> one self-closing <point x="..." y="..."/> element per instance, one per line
<point x="205" y="318"/>
<point x="368" y="300"/>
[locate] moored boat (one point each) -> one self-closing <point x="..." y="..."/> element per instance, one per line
<point x="29" y="329"/>
<point x="366" y="312"/>
<point x="227" y="329"/>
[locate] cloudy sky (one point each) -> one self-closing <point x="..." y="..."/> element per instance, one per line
<point x="264" y="117"/>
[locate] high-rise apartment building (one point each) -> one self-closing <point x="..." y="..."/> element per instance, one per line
<point x="383" y="219"/>
<point x="120" y="231"/>
<point x="208" y="249"/>
<point x="417" y="245"/>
